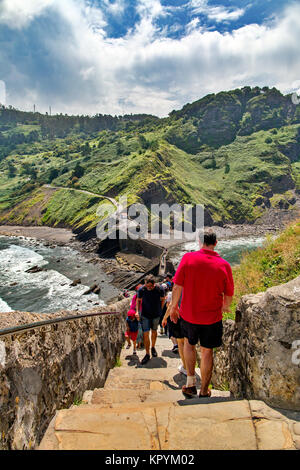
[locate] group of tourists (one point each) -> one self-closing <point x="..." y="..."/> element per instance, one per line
<point x="189" y="307"/>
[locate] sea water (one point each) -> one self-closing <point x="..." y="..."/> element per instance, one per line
<point x="48" y="290"/>
<point x="231" y="250"/>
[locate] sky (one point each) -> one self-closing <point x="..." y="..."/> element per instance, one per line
<point x="145" y="56"/>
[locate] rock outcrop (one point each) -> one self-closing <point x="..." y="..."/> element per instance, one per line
<point x="260" y="356"/>
<point x="48" y="368"/>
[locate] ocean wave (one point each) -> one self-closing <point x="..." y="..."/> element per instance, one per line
<point x="4" y="307"/>
<point x="44" y="291"/>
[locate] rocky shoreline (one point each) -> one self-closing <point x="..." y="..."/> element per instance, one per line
<point x="125" y="265"/>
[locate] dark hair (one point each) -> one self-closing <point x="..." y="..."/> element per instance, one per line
<point x="150" y="278"/>
<point x="209" y="237"/>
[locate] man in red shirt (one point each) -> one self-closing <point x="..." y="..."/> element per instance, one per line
<point x="206" y="283"/>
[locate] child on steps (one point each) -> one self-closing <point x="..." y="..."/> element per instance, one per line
<point x="132" y="324"/>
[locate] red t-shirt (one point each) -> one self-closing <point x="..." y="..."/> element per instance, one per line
<point x="205" y="277"/>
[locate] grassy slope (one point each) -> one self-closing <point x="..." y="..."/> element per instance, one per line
<point x="277" y="262"/>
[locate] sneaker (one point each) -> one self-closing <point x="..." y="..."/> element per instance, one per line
<point x="175" y="349"/>
<point x="182" y="370"/>
<point x="145" y="359"/>
<point x="134" y="352"/>
<point x="153" y="352"/>
<point x="161" y="331"/>
<point x="128" y="346"/>
<point x="189" y="392"/>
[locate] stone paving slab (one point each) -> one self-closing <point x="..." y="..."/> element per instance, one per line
<point x="106" y="397"/>
<point x="165" y="358"/>
<point x="276" y="429"/>
<point x="121" y="377"/>
<point x="218" y="426"/>
<point x="157" y="427"/>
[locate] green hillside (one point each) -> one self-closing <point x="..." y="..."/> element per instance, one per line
<point x="237" y="152"/>
<point x="277" y="262"/>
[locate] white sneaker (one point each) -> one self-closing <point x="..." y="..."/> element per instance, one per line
<point x="182" y="370"/>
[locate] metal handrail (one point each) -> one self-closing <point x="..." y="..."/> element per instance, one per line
<point x="40" y="324"/>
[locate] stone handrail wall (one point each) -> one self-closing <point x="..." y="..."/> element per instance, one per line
<point x="259" y="359"/>
<point x="48" y="368"/>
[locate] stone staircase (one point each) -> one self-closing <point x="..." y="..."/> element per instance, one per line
<point x="142" y="408"/>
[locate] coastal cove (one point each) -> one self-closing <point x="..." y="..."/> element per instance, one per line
<point x="59" y="256"/>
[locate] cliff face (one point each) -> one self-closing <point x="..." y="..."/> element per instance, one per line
<point x="49" y="368"/>
<point x="261" y="351"/>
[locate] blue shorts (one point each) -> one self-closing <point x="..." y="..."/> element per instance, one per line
<point x="149" y="323"/>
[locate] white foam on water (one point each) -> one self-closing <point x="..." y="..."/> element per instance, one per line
<point x="15" y="260"/>
<point x="4" y="307"/>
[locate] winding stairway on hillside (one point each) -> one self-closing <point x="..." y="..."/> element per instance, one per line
<point x="142" y="407"/>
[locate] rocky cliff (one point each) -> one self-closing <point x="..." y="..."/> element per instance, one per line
<point x="260" y="358"/>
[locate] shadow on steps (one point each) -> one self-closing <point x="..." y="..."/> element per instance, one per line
<point x="204" y="401"/>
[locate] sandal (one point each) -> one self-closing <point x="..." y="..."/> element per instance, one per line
<point x="205" y="396"/>
<point x="189" y="392"/>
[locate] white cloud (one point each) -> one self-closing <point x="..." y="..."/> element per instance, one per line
<point x="20" y="13"/>
<point x="145" y="71"/>
<point x="150" y="8"/>
<point x="115" y="8"/>
<point x="217" y="13"/>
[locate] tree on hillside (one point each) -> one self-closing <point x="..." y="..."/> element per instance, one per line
<point x="53" y="173"/>
<point x="11" y="170"/>
<point x="213" y="162"/>
<point x="120" y="147"/>
<point x="85" y="149"/>
<point x="78" y="171"/>
<point x="143" y="142"/>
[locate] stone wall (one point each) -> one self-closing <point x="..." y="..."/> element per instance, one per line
<point x="259" y="359"/>
<point x="48" y="368"/>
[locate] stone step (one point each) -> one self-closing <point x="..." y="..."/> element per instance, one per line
<point x="164" y="351"/>
<point x="158" y="427"/>
<point x="115" y="397"/>
<point x="165" y="426"/>
<point x="144" y="378"/>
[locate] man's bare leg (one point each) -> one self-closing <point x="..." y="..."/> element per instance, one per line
<point x="147" y="342"/>
<point x="206" y="368"/>
<point x="180" y="342"/>
<point x="190" y="357"/>
<point x="153" y="338"/>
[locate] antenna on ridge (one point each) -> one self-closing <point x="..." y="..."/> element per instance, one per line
<point x="34" y="108"/>
<point x="50" y="110"/>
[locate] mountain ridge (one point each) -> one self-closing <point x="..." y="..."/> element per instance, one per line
<point x="236" y="152"/>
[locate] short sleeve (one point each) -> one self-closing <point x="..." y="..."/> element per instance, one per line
<point x="162" y="292"/>
<point x="180" y="272"/>
<point x="229" y="284"/>
<point x="140" y="293"/>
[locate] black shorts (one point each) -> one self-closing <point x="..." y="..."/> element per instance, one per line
<point x="210" y="336"/>
<point x="175" y="330"/>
